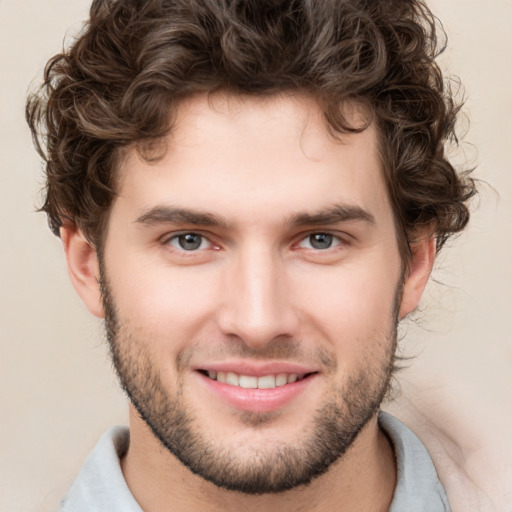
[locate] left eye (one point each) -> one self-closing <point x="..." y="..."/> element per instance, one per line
<point x="189" y="242"/>
<point x="319" y="241"/>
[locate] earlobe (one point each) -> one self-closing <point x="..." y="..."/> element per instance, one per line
<point x="83" y="268"/>
<point x="422" y="261"/>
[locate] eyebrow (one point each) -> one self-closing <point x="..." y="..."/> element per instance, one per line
<point x="333" y="215"/>
<point x="170" y="215"/>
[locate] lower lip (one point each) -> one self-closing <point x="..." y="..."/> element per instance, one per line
<point x="257" y="400"/>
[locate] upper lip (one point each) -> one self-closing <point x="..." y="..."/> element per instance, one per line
<point x="257" y="369"/>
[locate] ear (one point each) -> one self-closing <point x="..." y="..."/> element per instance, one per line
<point x="83" y="268"/>
<point x="420" y="267"/>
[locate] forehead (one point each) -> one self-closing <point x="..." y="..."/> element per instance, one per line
<point x="242" y="155"/>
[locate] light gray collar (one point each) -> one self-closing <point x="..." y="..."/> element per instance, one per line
<point x="418" y="487"/>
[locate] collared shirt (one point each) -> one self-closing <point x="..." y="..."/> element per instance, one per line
<point x="101" y="487"/>
<point x="418" y="488"/>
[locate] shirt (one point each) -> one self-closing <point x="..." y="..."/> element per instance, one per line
<point x="101" y="487"/>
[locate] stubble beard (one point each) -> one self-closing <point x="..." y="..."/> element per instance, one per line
<point x="335" y="426"/>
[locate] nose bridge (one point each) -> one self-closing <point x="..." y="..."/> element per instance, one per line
<point x="256" y="306"/>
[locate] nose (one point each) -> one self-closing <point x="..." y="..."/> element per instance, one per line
<point x="257" y="303"/>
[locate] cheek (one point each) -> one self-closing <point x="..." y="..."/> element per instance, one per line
<point x="353" y="307"/>
<point x="164" y="302"/>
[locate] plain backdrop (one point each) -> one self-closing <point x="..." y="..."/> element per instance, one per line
<point x="58" y="391"/>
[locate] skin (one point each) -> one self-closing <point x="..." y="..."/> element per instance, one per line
<point x="259" y="166"/>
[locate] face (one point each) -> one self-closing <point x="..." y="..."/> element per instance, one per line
<point x="251" y="285"/>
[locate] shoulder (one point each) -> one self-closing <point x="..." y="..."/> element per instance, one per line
<point x="418" y="486"/>
<point x="100" y="485"/>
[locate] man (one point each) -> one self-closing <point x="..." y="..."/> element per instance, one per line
<point x="252" y="194"/>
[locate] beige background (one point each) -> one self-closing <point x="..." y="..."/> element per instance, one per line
<point x="58" y="392"/>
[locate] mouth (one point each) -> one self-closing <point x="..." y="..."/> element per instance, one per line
<point x="257" y="388"/>
<point x="270" y="381"/>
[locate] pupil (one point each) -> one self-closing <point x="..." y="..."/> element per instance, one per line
<point x="321" y="240"/>
<point x="190" y="241"/>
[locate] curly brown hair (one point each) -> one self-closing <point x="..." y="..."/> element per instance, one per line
<point x="122" y="78"/>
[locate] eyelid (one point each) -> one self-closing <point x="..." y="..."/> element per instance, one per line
<point x="167" y="238"/>
<point x="342" y="237"/>
<point x="336" y="241"/>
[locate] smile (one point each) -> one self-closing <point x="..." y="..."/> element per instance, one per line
<point x="257" y="389"/>
<point x="252" y="382"/>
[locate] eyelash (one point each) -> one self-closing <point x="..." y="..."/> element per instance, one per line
<point x="176" y="237"/>
<point x="334" y="239"/>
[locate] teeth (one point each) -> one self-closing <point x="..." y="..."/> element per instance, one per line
<point x="248" y="382"/>
<point x="267" y="382"/>
<point x="281" y="379"/>
<point x="252" y="382"/>
<point x="232" y="378"/>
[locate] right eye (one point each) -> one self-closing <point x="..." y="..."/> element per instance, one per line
<point x="189" y="242"/>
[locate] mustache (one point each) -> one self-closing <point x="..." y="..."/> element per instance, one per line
<point x="278" y="349"/>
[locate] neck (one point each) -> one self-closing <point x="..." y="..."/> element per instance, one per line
<point x="364" y="479"/>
